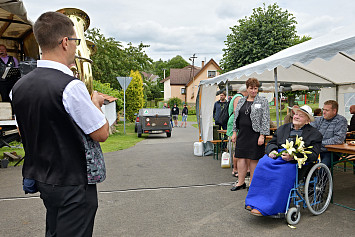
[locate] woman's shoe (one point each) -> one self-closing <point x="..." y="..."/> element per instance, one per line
<point x="256" y="212"/>
<point x="248" y="208"/>
<point x="235" y="174"/>
<point x="235" y="188"/>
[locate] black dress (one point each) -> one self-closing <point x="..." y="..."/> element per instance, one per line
<point x="247" y="140"/>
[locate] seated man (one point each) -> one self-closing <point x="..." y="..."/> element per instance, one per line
<point x="274" y="175"/>
<point x="333" y="127"/>
<point x="289" y="117"/>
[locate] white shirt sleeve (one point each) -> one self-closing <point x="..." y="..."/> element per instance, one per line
<point x="78" y="104"/>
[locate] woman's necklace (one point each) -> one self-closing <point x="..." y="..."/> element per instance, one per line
<point x="248" y="107"/>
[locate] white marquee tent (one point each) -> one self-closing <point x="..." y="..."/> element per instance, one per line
<point x="327" y="61"/>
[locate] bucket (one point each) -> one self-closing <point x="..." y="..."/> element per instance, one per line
<point x="4" y="163"/>
<point x="198" y="149"/>
<point x="226" y="160"/>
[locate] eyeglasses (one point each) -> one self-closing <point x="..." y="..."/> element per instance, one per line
<point x="77" y="41"/>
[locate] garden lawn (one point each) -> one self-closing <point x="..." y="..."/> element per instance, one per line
<point x="119" y="140"/>
<point x="190" y="118"/>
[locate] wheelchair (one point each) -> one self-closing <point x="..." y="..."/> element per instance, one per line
<point x="314" y="192"/>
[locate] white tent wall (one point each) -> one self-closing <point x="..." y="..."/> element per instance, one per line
<point x="326" y="93"/>
<point x="346" y="98"/>
<point x="208" y="98"/>
<point x="327" y="61"/>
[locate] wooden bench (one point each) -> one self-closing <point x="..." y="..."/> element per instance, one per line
<point x="216" y="145"/>
<point x="12" y="156"/>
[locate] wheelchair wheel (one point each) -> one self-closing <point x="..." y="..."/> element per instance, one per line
<point x="318" y="189"/>
<point x="293" y="216"/>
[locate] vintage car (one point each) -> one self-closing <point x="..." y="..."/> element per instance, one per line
<point x="153" y="121"/>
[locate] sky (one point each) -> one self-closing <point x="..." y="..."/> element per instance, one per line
<point x="187" y="27"/>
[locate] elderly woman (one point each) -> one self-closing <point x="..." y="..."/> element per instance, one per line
<point x="252" y="121"/>
<point x="275" y="176"/>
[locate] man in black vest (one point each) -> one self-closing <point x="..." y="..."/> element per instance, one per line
<point x="8" y="82"/>
<point x="52" y="108"/>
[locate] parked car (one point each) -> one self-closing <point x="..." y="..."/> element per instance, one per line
<point x="153" y="121"/>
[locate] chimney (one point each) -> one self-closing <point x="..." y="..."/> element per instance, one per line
<point x="202" y="64"/>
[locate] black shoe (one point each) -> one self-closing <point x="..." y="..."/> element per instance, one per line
<point x="235" y="188"/>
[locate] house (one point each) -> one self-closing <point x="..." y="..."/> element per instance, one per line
<point x="150" y="77"/>
<point x="208" y="70"/>
<point x="183" y="82"/>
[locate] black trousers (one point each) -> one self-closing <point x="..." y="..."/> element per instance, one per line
<point x="71" y="210"/>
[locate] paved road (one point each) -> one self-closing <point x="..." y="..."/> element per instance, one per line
<point x="159" y="188"/>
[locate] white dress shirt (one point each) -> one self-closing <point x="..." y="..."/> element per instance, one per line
<point x="77" y="101"/>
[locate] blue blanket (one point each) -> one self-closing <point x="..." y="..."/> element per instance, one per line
<point x="271" y="185"/>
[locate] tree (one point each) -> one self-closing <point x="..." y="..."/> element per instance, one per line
<point x="113" y="60"/>
<point x="134" y="95"/>
<point x="159" y="66"/>
<point x="266" y="32"/>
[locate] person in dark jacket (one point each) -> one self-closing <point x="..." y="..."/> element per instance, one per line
<point x="351" y="127"/>
<point x="218" y="107"/>
<point x="175" y="114"/>
<point x="184" y="114"/>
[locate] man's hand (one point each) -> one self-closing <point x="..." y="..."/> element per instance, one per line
<point x="272" y="154"/>
<point x="97" y="99"/>
<point x="286" y="157"/>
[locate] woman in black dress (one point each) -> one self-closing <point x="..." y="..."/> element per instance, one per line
<point x="252" y="121"/>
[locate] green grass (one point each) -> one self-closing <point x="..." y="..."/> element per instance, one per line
<point x="114" y="142"/>
<point x="119" y="140"/>
<point x="19" y="152"/>
<point x="190" y="118"/>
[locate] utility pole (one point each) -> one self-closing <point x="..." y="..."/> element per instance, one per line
<point x="193" y="75"/>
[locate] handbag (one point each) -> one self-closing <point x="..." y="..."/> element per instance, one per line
<point x="95" y="162"/>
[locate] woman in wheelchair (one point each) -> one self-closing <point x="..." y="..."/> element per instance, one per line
<point x="274" y="176"/>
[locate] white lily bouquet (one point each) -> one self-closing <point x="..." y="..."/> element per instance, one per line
<point x="297" y="150"/>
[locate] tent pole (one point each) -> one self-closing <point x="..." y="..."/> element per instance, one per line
<point x="277" y="97"/>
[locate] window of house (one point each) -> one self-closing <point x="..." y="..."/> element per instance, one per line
<point x="211" y="74"/>
<point x="183" y="91"/>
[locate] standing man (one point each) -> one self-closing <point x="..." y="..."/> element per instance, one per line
<point x="333" y="127"/>
<point x="217" y="108"/>
<point x="52" y="110"/>
<point x="8" y="61"/>
<point x="351" y="127"/>
<point x="175" y="114"/>
<point x="7" y="83"/>
<point x="184" y="114"/>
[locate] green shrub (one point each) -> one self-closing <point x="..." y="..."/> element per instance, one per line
<point x="174" y="100"/>
<point x="105" y="88"/>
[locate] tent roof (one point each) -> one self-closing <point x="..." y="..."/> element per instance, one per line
<point x="14" y="22"/>
<point x="328" y="60"/>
